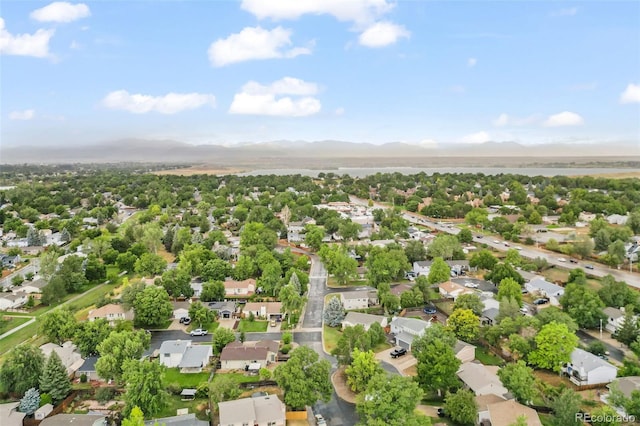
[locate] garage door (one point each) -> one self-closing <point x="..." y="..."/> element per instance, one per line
<point x="403" y="344"/>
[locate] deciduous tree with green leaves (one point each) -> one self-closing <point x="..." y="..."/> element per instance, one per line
<point x="510" y="289"/>
<point x="437" y="366"/>
<point x="58" y="325"/>
<point x="117" y="348"/>
<point x="483" y="259"/>
<point x="305" y="379"/>
<point x="554" y="345"/>
<point x="222" y="337"/>
<point x="469" y="301"/>
<point x="89" y="334"/>
<point x="21" y="369"/>
<point x="439" y="271"/>
<point x="152" y="306"/>
<point x="518" y="378"/>
<point x="464" y="324"/>
<point x="461" y="407"/>
<point x="364" y="366"/>
<point x="145" y="387"/>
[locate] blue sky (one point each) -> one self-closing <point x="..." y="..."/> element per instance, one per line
<point x="422" y="72"/>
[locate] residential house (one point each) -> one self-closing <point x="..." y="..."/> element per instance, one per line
<point x="615" y="318"/>
<point x="586" y="368"/>
<point x="70" y="357"/>
<point x="266" y="310"/>
<point x="224" y="310"/>
<point x="196" y="285"/>
<point x="633" y="251"/>
<point x="481" y="379"/>
<point x="483" y="402"/>
<point x="451" y="290"/>
<point x="75" y="420"/>
<point x="182" y="420"/>
<point x="506" y="413"/>
<point x="259" y="411"/>
<point x="13" y="300"/>
<point x="10" y="261"/>
<point x="617" y="219"/>
<point x="244" y="288"/>
<point x="355" y="299"/>
<point x="586" y="217"/>
<point x="355" y="318"/>
<point x="457" y="266"/>
<point x="10" y="415"/>
<point x="407" y="329"/>
<point x="88" y="368"/>
<point x="33" y="287"/>
<point x="17" y="242"/>
<point x="544" y="288"/>
<point x="295" y="230"/>
<point x="465" y="352"/>
<point x="238" y="356"/>
<point x="182" y="354"/>
<point x="111" y="313"/>
<point x="626" y="385"/>
<point x="180" y="309"/>
<point x="489" y="316"/>
<point x="397" y="290"/>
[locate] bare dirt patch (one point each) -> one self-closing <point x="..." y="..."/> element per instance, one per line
<point x="339" y="380"/>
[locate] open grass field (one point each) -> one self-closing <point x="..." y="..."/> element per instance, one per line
<point x="10" y="322"/>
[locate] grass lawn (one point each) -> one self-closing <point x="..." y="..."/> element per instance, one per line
<point x="487" y="358"/>
<point x="237" y="378"/>
<point x="11" y="322"/>
<point x="332" y="283"/>
<point x="381" y="347"/>
<point x="330" y="336"/>
<point x="197" y="406"/>
<point x="91" y="296"/>
<point x="252" y="326"/>
<point x="447" y="307"/>
<point x="27" y="334"/>
<point x="191" y="380"/>
<point x="554" y="274"/>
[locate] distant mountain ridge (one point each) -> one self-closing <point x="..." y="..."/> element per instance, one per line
<point x="172" y="151"/>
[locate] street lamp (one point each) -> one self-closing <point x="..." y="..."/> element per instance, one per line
<point x="600" y="328"/>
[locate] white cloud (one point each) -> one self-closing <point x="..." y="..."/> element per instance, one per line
<point x="428" y="143"/>
<point x="254" y="43"/>
<point x="170" y="103"/>
<point x="36" y="44"/>
<point x="479" y="137"/>
<point x="61" y="11"/>
<point x="27" y="114"/>
<point x="257" y="99"/>
<point x="565" y="118"/>
<point x="631" y="94"/>
<point x="471" y="62"/>
<point x="570" y="11"/>
<point x="383" y="34"/>
<point x="358" y="11"/>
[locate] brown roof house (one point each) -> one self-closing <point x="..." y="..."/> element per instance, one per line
<point x="451" y="290"/>
<point x="249" y="355"/>
<point x="267" y="310"/>
<point x="112" y="313"/>
<point x="244" y="288"/>
<point x="506" y="413"/>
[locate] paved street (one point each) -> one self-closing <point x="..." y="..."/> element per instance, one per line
<point x="615" y="353"/>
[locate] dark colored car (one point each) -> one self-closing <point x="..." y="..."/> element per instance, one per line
<point x="540" y="301"/>
<point x="398" y="352"/>
<point x="573" y="261"/>
<point x="185" y="320"/>
<point x="430" y="310"/>
<point x="441" y="412"/>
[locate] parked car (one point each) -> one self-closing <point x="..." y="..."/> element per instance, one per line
<point x="186" y="321"/>
<point x="524" y="310"/>
<point x="478" y="236"/>
<point x="199" y="332"/>
<point x="588" y="266"/>
<point x="430" y="310"/>
<point x="320" y="421"/>
<point x="441" y="412"/>
<point x="398" y="352"/>
<point x="540" y="301"/>
<point x="469" y="284"/>
<point x="518" y="248"/>
<point x="272" y="323"/>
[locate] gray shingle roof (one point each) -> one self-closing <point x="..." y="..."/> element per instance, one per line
<point x="588" y="361"/>
<point x="413" y="324"/>
<point x="195" y="356"/>
<point x="174" y="346"/>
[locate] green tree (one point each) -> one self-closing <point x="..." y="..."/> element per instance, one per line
<point x="200" y="313"/>
<point x="177" y="282"/>
<point x="554" y="344"/>
<point x="212" y="291"/>
<point x="605" y="416"/>
<point x="386" y="265"/>
<point x="617" y="293"/>
<point x="465" y="236"/>
<point x="126" y="261"/>
<point x="223" y="388"/>
<point x="150" y="264"/>
<point x="437" y="365"/>
<point x="629" y="331"/>
<point x="291" y="300"/>
<point x="152" y="306"/>
<point x="305" y="378"/>
<point x="363" y="368"/>
<point x="502" y="271"/>
<point x="89" y="334"/>
<point x="513" y="257"/>
<point x="555" y="314"/>
<point x="583" y="305"/>
<point x="464" y="324"/>
<point x="349" y="230"/>
<point x="510" y="289"/>
<point x="352" y="338"/>
<point x="21" y="369"/>
<point x="131" y="292"/>
<point x="94" y="270"/>
<point x="313" y="236"/>
<point x="221" y="338"/>
<point x="519" y="379"/>
<point x="444" y="246"/>
<point x="53" y="292"/>
<point x="518" y="346"/>
<point x="145" y="387"/>
<point x="439" y="271"/>
<point x="565" y="406"/>
<point x="415" y="251"/>
<point x="58" y="325"/>
<point x="136" y="418"/>
<point x="334" y="312"/>
<point x="391" y="402"/>
<point x="477" y="216"/>
<point x="216" y="270"/>
<point x="152" y="237"/>
<point x="55" y="380"/>
<point x="462" y="407"/>
<point x="583" y="246"/>
<point x="117" y="348"/>
<point x="483" y="259"/>
<point x="508" y="308"/>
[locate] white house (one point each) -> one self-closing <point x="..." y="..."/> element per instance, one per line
<point x="355" y="299"/>
<point x="182" y="354"/>
<point x="259" y="411"/>
<point x="266" y="310"/>
<point x="180" y="309"/>
<point x="615" y="318"/>
<point x="588" y="369"/>
<point x="13" y="301"/>
<point x="35" y="286"/>
<point x="366" y="320"/>
<point x="240" y="288"/>
<point x="197" y="288"/>
<point x="617" y="219"/>
<point x="543" y="287"/>
<point x="111" y="313"/>
<point x="481" y="379"/>
<point x="407" y="329"/>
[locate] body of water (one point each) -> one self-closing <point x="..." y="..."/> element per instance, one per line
<point x="367" y="171"/>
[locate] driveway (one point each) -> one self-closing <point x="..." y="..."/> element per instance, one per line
<point x="400" y="364"/>
<point x="227" y="323"/>
<point x="482" y="284"/>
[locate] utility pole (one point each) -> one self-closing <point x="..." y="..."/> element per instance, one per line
<point x="600" y="328"/>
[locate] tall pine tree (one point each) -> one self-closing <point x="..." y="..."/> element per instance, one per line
<point x="54" y="380"/>
<point x="629" y="331"/>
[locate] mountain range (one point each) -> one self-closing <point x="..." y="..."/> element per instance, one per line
<point x="311" y="154"/>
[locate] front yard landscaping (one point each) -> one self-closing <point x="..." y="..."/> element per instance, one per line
<point x="252" y="326"/>
<point x="330" y="336"/>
